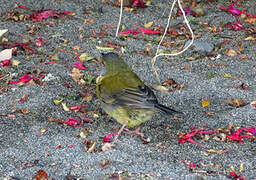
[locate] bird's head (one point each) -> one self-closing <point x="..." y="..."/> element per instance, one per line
<point x="113" y="62"/>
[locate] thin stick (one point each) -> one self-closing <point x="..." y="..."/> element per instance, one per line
<point x="120" y="18"/>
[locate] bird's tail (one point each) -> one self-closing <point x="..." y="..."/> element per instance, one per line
<point x="167" y="109"/>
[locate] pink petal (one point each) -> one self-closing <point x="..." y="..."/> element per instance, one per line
<point x="129" y="31"/>
<point x="5" y="63"/>
<point x="71" y="122"/>
<point x="79" y="64"/>
<point x="234" y="11"/>
<point x="148" y="31"/>
<point x="22" y="6"/>
<point x="108" y="138"/>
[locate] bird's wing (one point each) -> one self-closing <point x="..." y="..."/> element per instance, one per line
<point x="139" y="97"/>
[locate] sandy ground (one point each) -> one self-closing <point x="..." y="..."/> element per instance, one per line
<point x="30" y="142"/>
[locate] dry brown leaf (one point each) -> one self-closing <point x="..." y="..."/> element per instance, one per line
<point x="236" y="102"/>
<point x="41" y="175"/>
<point x="250" y="20"/>
<point x="77" y="76"/>
<point x="90" y="146"/>
<point x="250" y="38"/>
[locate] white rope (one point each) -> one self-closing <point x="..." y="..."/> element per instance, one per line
<point x="166" y="28"/>
<point x="120" y="17"/>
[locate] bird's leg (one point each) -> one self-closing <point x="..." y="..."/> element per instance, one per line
<point x="120" y="131"/>
<point x="136" y="132"/>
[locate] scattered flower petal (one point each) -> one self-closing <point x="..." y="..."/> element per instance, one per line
<point x="5" y="63"/>
<point x="79" y="64"/>
<point x="107" y="138"/>
<point x="148" y="31"/>
<point x="72" y="122"/>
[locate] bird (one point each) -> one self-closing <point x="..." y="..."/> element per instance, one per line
<point x="124" y="96"/>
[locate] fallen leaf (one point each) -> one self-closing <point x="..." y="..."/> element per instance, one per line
<point x="5" y="54"/>
<point x="104" y="48"/>
<point x="253" y="103"/>
<point x="104" y="164"/>
<point x="90" y="146"/>
<point x="205" y="103"/>
<point x="2" y="31"/>
<point x="236" y="102"/>
<point x="65" y="107"/>
<point x="149" y="24"/>
<point x="77" y="75"/>
<point x="15" y="62"/>
<point x="244" y="86"/>
<point x="227" y="75"/>
<point x="41" y="175"/>
<point x="85" y="57"/>
<point x="107" y="146"/>
<point x="231" y="52"/>
<point x="250" y="20"/>
<point x="250" y="38"/>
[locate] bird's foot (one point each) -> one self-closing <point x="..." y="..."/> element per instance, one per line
<point x="137" y="132"/>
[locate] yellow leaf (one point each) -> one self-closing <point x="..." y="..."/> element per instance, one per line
<point x="15" y="62"/>
<point x="43" y="130"/>
<point x="231" y="52"/>
<point x="253" y="103"/>
<point x="250" y="38"/>
<point x="227" y="75"/>
<point x="232" y="168"/>
<point x="85" y="57"/>
<point x="95" y="115"/>
<point x="104" y="48"/>
<point x="65" y="107"/>
<point x="57" y="101"/>
<point x="250" y="20"/>
<point x="211" y="151"/>
<point x="2" y="31"/>
<point x="241" y="167"/>
<point x="149" y="24"/>
<point x="148" y="3"/>
<point x="205" y="103"/>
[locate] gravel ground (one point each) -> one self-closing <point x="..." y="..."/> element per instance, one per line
<point x="34" y="140"/>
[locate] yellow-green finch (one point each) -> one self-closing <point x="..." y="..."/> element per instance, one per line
<point x="123" y="95"/>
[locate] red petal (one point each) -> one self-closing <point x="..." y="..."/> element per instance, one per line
<point x="193" y="165"/>
<point x="129" y="31"/>
<point x="148" y="31"/>
<point x="22" y="6"/>
<point x="5" y="63"/>
<point x="79" y="64"/>
<point x="108" y="138"/>
<point x="72" y="122"/>
<point x="234" y="11"/>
